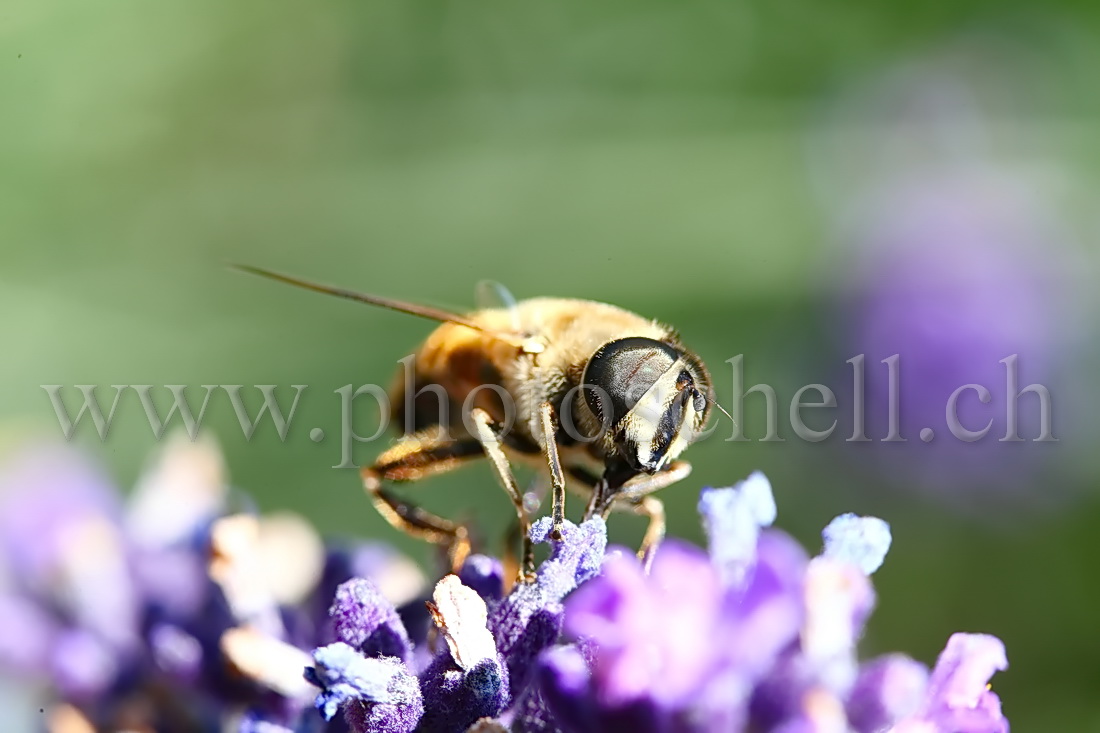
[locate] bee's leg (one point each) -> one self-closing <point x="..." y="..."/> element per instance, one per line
<point x="652" y="507"/>
<point x="510" y="564"/>
<point x="643" y="484"/>
<point x="607" y="489"/>
<point x="596" y="503"/>
<point x="490" y="444"/>
<point x="637" y="487"/>
<point x="557" y="478"/>
<point x="532" y="498"/>
<point x="422" y="454"/>
<point x="636" y="495"/>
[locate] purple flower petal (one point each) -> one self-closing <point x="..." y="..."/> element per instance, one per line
<point x="839" y="598"/>
<point x="765" y="617"/>
<point x="821" y="664"/>
<point x="62" y="542"/>
<point x="959" y="697"/>
<point x="485" y="575"/>
<point x="526" y="622"/>
<point x="455" y="699"/>
<point x="176" y="652"/>
<point x="652" y="633"/>
<point x="733" y="519"/>
<point x="378" y="695"/>
<point x="564" y="684"/>
<point x="83" y="666"/>
<point x="861" y="541"/>
<point x="363" y="619"/>
<point x="963" y="670"/>
<point x="174" y="581"/>
<point x="29" y="632"/>
<point x="677" y="649"/>
<point x="888" y="689"/>
<point x="43" y="494"/>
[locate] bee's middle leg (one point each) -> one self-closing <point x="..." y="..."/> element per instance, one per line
<point x="422" y="454"/>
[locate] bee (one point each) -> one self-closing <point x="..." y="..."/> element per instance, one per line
<point x="598" y="398"/>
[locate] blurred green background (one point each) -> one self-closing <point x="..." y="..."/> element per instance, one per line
<point x="653" y="155"/>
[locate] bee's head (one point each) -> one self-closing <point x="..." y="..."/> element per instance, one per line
<point x="652" y="397"/>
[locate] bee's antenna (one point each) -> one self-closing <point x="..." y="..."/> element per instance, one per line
<point x="401" y="306"/>
<point x="721" y="409"/>
<point x="423" y="311"/>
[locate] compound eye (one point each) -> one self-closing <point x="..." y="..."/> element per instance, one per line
<point x="621" y="371"/>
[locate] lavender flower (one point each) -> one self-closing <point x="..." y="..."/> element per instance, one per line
<point x="529" y="619"/>
<point x="859" y="541"/>
<point x="768" y="647"/>
<point x="958" y="697"/>
<point x="888" y="689"/>
<point x="733" y="519"/>
<point x="365" y="620"/>
<point x="377" y="694"/>
<point x="485" y="575"/>
<point x="753" y="635"/>
<point x="486" y="670"/>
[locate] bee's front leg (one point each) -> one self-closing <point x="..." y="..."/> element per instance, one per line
<point x="644" y="484"/>
<point x="636" y="495"/>
<point x="557" y="477"/>
<point x="490" y="443"/>
<point x="654" y="509"/>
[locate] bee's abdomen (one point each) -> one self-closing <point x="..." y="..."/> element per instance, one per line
<point x="449" y="378"/>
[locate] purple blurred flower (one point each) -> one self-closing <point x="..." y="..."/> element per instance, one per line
<point x="30" y="631"/>
<point x="955" y="258"/>
<point x="956" y="277"/>
<point x="888" y="689"/>
<point x="641" y="675"/>
<point x="859" y="541"/>
<point x="60" y="533"/>
<point x="958" y="697"/>
<point x="111" y="602"/>
<point x="176" y="652"/>
<point x="45" y="495"/>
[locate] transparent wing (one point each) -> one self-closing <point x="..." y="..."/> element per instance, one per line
<point x="491" y="294"/>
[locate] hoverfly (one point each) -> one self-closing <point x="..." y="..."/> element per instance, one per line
<point x="596" y="397"/>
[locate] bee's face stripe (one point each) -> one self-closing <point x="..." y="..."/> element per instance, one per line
<point x="654" y="428"/>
